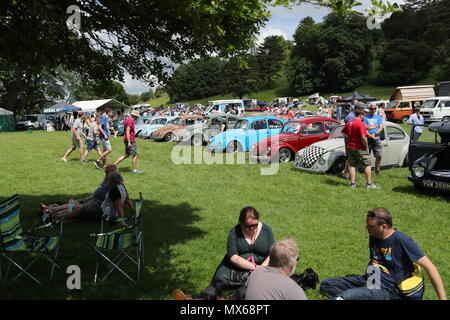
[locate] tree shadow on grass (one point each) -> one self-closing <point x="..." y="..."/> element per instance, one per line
<point x="164" y="226"/>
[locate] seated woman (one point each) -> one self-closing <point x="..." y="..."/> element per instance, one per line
<point x="248" y="248"/>
<point x="117" y="196"/>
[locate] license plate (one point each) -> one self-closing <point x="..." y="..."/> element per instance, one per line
<point x="437" y="184"/>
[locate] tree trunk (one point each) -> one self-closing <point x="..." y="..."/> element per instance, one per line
<point x="11" y="96"/>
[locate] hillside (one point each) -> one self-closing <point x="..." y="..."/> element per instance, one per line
<point x="282" y="90"/>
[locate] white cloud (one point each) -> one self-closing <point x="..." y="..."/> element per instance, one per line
<point x="133" y="86"/>
<point x="270" y="31"/>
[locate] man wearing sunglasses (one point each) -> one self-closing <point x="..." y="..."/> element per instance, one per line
<point x="393" y="271"/>
<point x="374" y="125"/>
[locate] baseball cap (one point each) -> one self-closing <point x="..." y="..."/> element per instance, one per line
<point x="135" y="113"/>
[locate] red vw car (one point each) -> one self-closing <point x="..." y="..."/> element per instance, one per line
<point x="295" y="135"/>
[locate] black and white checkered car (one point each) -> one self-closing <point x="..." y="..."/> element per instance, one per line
<point x="310" y="156"/>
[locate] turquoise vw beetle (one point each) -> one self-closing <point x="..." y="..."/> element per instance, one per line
<point x="246" y="133"/>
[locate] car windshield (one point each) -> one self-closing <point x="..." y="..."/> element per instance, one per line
<point x="241" y="124"/>
<point x="337" y="133"/>
<point x="392" y="104"/>
<point x="291" y="127"/>
<point x="29" y="118"/>
<point x="159" y="121"/>
<point x="430" y="104"/>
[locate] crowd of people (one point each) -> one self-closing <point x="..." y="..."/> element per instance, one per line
<point x="259" y="268"/>
<point x="96" y="130"/>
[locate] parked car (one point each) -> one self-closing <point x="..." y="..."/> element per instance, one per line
<point x="157" y="122"/>
<point x="212" y="125"/>
<point x="295" y="135"/>
<point x="430" y="161"/>
<point x="169" y="133"/>
<point x="31" y="122"/>
<point x="400" y="110"/>
<point x="436" y="109"/>
<point x="246" y="133"/>
<point x="138" y="123"/>
<point x="329" y="156"/>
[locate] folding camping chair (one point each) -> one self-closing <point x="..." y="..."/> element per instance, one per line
<point x="121" y="243"/>
<point x="15" y="241"/>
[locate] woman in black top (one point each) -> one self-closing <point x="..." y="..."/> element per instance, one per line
<point x="248" y="247"/>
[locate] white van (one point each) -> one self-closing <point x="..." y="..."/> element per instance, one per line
<point x="436" y="109"/>
<point x="220" y="106"/>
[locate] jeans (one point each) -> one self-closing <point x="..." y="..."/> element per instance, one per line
<point x="354" y="288"/>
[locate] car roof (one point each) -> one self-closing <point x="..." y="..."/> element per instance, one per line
<point x="312" y="119"/>
<point x="255" y="118"/>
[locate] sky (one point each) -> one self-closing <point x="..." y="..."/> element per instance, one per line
<point x="283" y="22"/>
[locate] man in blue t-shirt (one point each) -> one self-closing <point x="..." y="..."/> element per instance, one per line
<point x="394" y="258"/>
<point x="374" y="125"/>
<point x="104" y="135"/>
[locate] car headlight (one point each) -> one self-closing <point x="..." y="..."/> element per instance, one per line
<point x="321" y="160"/>
<point x="418" y="170"/>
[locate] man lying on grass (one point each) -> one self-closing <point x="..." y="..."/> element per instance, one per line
<point x="87" y="209"/>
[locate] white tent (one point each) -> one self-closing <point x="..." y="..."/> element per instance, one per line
<point x="100" y="105"/>
<point x="5" y="112"/>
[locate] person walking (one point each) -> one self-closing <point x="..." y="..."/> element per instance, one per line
<point x="394" y="269"/>
<point x="104" y="135"/>
<point x="416" y="118"/>
<point x="274" y="282"/>
<point x="356" y="149"/>
<point x="374" y="125"/>
<point x="129" y="139"/>
<point x="92" y="139"/>
<point x="77" y="134"/>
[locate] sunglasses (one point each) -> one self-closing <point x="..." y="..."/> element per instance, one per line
<point x="251" y="226"/>
<point x="373" y="109"/>
<point x="371" y="214"/>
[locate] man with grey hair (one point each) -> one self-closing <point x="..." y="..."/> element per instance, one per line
<point x="273" y="282"/>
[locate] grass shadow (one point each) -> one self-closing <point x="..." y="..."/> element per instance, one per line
<point x="423" y="193"/>
<point x="164" y="226"/>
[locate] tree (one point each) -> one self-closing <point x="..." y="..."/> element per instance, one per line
<point x="404" y="61"/>
<point x="271" y="56"/>
<point x="134" y="99"/>
<point x="334" y="55"/>
<point x="241" y="75"/>
<point x="145" y="96"/>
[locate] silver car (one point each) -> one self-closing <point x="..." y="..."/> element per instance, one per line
<point x="329" y="156"/>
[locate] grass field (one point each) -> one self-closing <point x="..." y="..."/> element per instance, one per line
<point x="190" y="208"/>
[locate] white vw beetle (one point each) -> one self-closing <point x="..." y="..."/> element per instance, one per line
<point x="328" y="156"/>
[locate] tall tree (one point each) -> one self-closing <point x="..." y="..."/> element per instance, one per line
<point x="271" y="57"/>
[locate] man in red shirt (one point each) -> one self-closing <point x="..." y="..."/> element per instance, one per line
<point x="357" y="149"/>
<point x="129" y="139"/>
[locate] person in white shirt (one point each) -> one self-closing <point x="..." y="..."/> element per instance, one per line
<point x="416" y="118"/>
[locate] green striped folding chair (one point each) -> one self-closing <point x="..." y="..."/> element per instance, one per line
<point x="121" y="243"/>
<point x="15" y="241"/>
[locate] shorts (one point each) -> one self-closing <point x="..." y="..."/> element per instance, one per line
<point x="106" y="144"/>
<point x="131" y="151"/>
<point x="358" y="158"/>
<point x="77" y="143"/>
<point x="376" y="147"/>
<point x="91" y="210"/>
<point x="91" y="145"/>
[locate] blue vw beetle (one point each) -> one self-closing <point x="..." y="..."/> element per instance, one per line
<point x="246" y="133"/>
<point x="137" y="124"/>
<point x="157" y="122"/>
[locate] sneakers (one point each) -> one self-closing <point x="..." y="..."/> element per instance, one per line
<point x="372" y="186"/>
<point x="64" y="160"/>
<point x="353" y="186"/>
<point x="84" y="161"/>
<point x="136" y="171"/>
<point x="98" y="164"/>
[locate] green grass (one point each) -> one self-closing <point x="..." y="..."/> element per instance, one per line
<point x="190" y="208"/>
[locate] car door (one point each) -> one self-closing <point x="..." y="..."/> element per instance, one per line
<point x="388" y="147"/>
<point x="311" y="132"/>
<point x="258" y="132"/>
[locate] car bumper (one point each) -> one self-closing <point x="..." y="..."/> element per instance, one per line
<point x="262" y="159"/>
<point x="433" y="184"/>
<point x="213" y="149"/>
<point x="309" y="170"/>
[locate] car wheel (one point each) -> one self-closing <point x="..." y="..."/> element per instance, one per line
<point x="197" y="140"/>
<point x="168" y="137"/>
<point x="234" y="146"/>
<point x="418" y="186"/>
<point x="405" y="119"/>
<point x="284" y="155"/>
<point x="446" y="119"/>
<point x="338" y="166"/>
